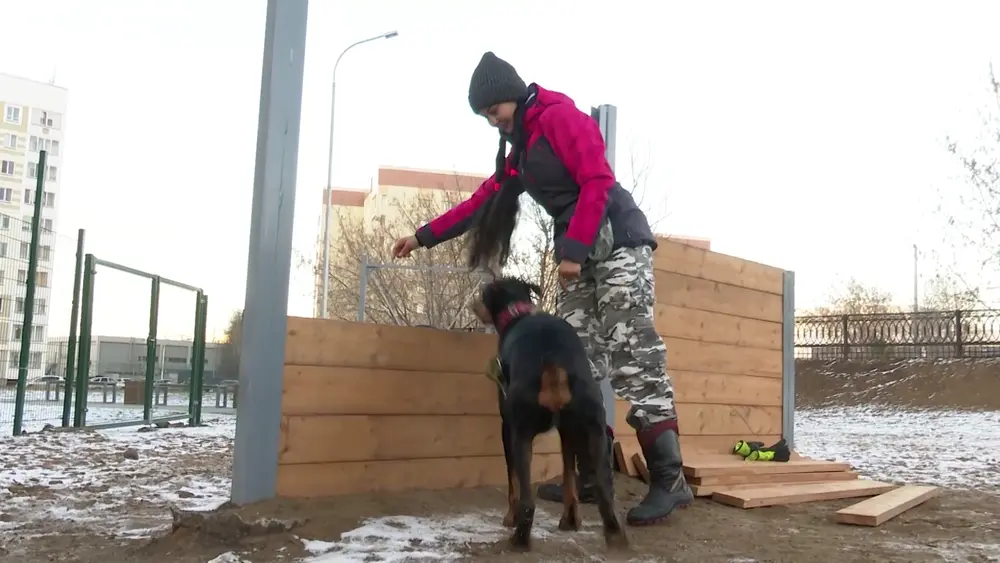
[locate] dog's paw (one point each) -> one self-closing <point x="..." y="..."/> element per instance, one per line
<point x="616" y="540"/>
<point x="520" y="542"/>
<point x="571" y="521"/>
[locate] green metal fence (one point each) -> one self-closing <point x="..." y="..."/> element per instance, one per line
<point x="150" y="392"/>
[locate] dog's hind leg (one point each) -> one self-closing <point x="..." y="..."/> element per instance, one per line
<point x="614" y="532"/>
<point x="571" y="519"/>
<point x="524" y="515"/>
<point x="513" y="486"/>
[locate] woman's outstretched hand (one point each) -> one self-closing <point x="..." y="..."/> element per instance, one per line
<point x="404" y="246"/>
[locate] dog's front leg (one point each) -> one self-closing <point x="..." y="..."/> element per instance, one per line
<point x="571" y="519"/>
<point x="513" y="486"/>
<point x="524" y="515"/>
<point x="614" y="532"/>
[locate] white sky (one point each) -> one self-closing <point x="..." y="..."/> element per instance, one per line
<point x="806" y="137"/>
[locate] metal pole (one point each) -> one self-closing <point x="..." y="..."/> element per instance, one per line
<point x="788" y="358"/>
<point x="607" y="117"/>
<point x="363" y="290"/>
<point x="265" y="318"/>
<point x="916" y="281"/>
<point x="86" y="322"/>
<point x="324" y="311"/>
<point x="74" y="321"/>
<point x="154" y="315"/>
<point x="29" y="297"/>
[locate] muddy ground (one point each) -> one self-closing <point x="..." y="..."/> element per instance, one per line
<point x="958" y="526"/>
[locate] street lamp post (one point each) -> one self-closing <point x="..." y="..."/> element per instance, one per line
<point x="325" y="313"/>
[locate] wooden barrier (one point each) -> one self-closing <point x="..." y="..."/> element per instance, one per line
<point x="369" y="407"/>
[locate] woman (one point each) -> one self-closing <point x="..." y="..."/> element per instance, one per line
<point x="604" y="248"/>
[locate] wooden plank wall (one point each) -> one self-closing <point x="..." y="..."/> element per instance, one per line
<point x="721" y="319"/>
<point x="370" y="407"/>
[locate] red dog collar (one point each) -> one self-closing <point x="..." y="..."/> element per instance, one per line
<point x="513" y="311"/>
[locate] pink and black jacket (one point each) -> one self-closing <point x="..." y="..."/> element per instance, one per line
<point x="564" y="169"/>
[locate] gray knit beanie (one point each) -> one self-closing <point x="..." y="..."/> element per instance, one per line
<point x="494" y="81"/>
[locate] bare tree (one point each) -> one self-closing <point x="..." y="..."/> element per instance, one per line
<point x="972" y="212"/>
<point x="856" y="298"/>
<point x="431" y="288"/>
<point x="946" y="293"/>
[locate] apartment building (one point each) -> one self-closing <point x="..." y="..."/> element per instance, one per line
<point x="32" y="118"/>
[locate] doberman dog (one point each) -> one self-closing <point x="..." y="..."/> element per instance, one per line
<point x="546" y="381"/>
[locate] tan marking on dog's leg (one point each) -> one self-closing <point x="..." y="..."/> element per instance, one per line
<point x="571" y="519"/>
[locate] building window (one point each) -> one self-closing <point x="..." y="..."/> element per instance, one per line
<point x="6" y="194"/>
<point x="22" y="277"/>
<point x="19" y="305"/>
<point x="40" y="307"/>
<point x="39" y="333"/>
<point x="55" y="147"/>
<point x="43" y="279"/>
<point x="44" y="120"/>
<point x="18" y="329"/>
<point x="10" y="141"/>
<point x="28" y="198"/>
<point x="32" y="170"/>
<point x="13" y="115"/>
<point x="3" y="249"/>
<point x="46" y="224"/>
<point x="12" y="358"/>
<point x="52" y="174"/>
<point x="36" y="144"/>
<point x="26" y="221"/>
<point x="4" y="222"/>
<point x="2" y="276"/>
<point x="25" y="251"/>
<point x="7" y="167"/>
<point x="36" y="360"/>
<point x="45" y="253"/>
<point x="50" y="199"/>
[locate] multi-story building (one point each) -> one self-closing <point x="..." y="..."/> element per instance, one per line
<point x="123" y="357"/>
<point x="32" y="119"/>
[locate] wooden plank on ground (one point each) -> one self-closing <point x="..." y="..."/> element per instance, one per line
<point x="708" y="357"/>
<point x="783" y="478"/>
<point x="317" y="480"/>
<point x="623" y="455"/>
<point x="345" y="438"/>
<point x="877" y="510"/>
<point x="716" y="468"/>
<point x="804" y="492"/>
<point x="317" y="390"/>
<point x="787" y="479"/>
<point x="673" y="256"/>
<point x="324" y="342"/>
<point x="674" y="321"/>
<point x="640" y="466"/>
<point x="705" y="295"/>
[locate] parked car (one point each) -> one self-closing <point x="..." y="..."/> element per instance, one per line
<point x="102" y="380"/>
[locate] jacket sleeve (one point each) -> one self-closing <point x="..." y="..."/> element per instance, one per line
<point x="457" y="220"/>
<point x="576" y="139"/>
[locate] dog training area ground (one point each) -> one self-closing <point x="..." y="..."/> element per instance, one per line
<point x="390" y="451"/>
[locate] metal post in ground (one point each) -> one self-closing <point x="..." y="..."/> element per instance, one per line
<point x="192" y="384"/>
<point x="74" y="321"/>
<point x="607" y="118"/>
<point x="29" y="298"/>
<point x="154" y="317"/>
<point x="265" y="321"/>
<point x="363" y="290"/>
<point x="86" y="324"/>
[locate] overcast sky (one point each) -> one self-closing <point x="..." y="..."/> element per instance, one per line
<point x="804" y="135"/>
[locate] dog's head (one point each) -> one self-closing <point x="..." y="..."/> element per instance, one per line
<point x="503" y="295"/>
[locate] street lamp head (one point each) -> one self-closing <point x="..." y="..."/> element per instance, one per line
<point x="391" y="34"/>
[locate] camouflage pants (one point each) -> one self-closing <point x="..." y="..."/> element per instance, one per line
<point x="611" y="308"/>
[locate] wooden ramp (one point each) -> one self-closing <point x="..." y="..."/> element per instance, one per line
<point x="771" y="495"/>
<point x="710" y="474"/>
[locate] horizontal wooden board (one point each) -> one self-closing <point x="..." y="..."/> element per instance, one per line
<point x="726" y="389"/>
<point x="709" y="490"/>
<point x="316" y="390"/>
<point x="324" y="342"/>
<point x="877" y="510"/>
<point x="672" y="256"/>
<point x="344" y="438"/>
<point x="804" y="492"/>
<point x="673" y="321"/>
<point x="317" y="480"/>
<point x="719" y="420"/>
<point x="693" y="447"/>
<point x="706" y="357"/>
<point x="704" y="295"/>
<point x="716" y="468"/>
<point x="729" y="480"/>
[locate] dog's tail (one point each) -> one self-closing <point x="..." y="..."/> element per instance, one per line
<point x="555" y="392"/>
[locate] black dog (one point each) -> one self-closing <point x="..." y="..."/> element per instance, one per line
<point x="547" y="381"/>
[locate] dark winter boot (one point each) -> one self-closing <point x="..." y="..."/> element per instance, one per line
<point x="553" y="492"/>
<point x="668" y="490"/>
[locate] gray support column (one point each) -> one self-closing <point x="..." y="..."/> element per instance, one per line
<point x="607" y="117"/>
<point x="788" y="359"/>
<point x="265" y="318"/>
